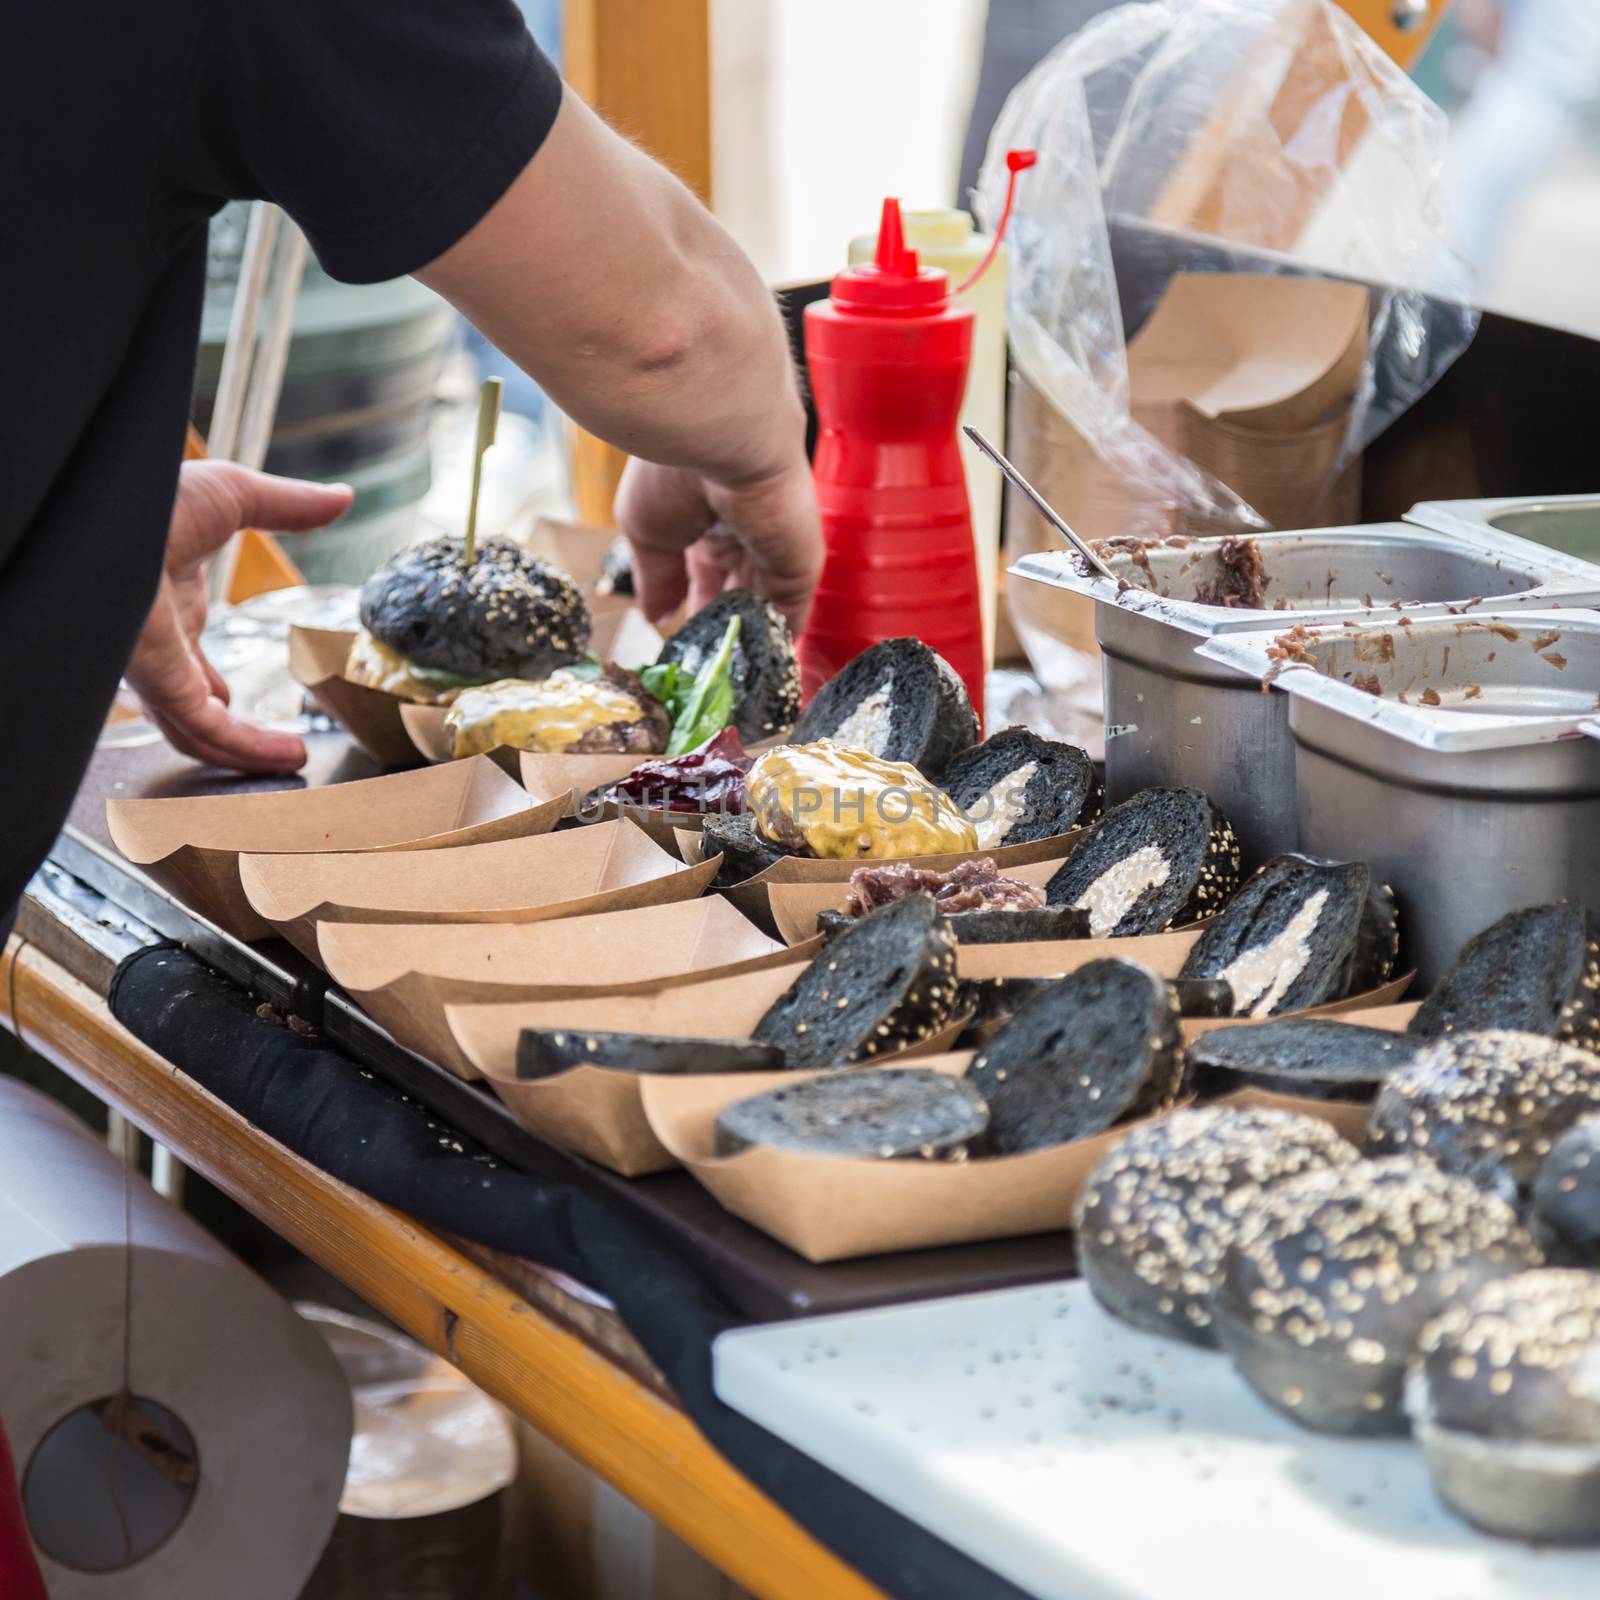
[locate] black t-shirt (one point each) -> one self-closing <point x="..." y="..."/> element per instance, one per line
<point x="385" y="128"/>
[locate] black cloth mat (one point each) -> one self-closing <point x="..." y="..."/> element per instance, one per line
<point x="333" y="1113"/>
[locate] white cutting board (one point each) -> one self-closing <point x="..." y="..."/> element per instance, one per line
<point x="1085" y="1460"/>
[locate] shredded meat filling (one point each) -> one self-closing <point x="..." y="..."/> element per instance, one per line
<point x="968" y="886"/>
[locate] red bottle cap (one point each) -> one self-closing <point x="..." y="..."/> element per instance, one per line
<point x="893" y="281"/>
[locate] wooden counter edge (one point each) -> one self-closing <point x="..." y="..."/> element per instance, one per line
<point x="644" y="1446"/>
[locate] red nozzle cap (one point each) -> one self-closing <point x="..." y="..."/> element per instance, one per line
<point x="894" y="280"/>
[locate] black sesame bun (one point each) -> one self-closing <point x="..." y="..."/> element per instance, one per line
<point x="1506" y="1404"/>
<point x="900" y="700"/>
<point x="886" y="983"/>
<point x="873" y="1113"/>
<point x="1165" y="856"/>
<point x="765" y="672"/>
<point x="1377" y="950"/>
<point x="544" y="1052"/>
<point x="1333" y="1275"/>
<point x="1533" y="971"/>
<point x="1287" y="939"/>
<point x="1311" y="1056"/>
<point x="994" y="1000"/>
<point x="1566" y="1193"/>
<point x="744" y="849"/>
<point x="1087" y="1051"/>
<point x="508" y="615"/>
<point x="1016" y="787"/>
<point x="1487" y="1106"/>
<point x="1161" y="1208"/>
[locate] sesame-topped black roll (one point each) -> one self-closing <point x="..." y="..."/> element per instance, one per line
<point x="888" y="982"/>
<point x="1016" y="787"/>
<point x="1096" y="1047"/>
<point x="1486" y="1105"/>
<point x="764" y="669"/>
<point x="1161" y="1208"/>
<point x="1506" y="1405"/>
<point x="1333" y="1275"/>
<point x="1534" y="971"/>
<point x="1165" y="856"/>
<point x="1312" y="1056"/>
<point x="508" y="615"/>
<point x="1566" y="1193"/>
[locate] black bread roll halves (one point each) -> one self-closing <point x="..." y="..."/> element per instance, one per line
<point x="1333" y="1275"/>
<point x="876" y="1113"/>
<point x="1507" y="1407"/>
<point x="881" y="986"/>
<point x="508" y="615"/>
<point x="1016" y="787"/>
<point x="764" y="668"/>
<point x="1163" y="857"/>
<point x="1091" y="1049"/>
<point x="1486" y="1105"/>
<point x="548" y="1052"/>
<point x="1312" y="1056"/>
<point x="899" y="700"/>
<point x="1534" y="971"/>
<point x="1159" y="1211"/>
<point x="1287" y="940"/>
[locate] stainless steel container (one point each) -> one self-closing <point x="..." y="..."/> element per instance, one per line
<point x="1173" y="717"/>
<point x="1450" y="755"/>
<point x="1569" y="523"/>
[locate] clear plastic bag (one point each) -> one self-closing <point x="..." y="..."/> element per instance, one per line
<point x="1259" y="136"/>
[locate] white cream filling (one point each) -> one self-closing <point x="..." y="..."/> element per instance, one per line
<point x="1261" y="975"/>
<point x="867" y="727"/>
<point x="1112" y="895"/>
<point x="993" y="814"/>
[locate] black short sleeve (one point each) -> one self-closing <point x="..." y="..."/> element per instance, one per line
<point x="385" y="128"/>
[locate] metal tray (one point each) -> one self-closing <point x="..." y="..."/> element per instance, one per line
<point x="761" y="1278"/>
<point x="1173" y="717"/>
<point x="1567" y="524"/>
<point x="1484" y="802"/>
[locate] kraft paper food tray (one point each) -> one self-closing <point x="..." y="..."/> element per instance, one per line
<point x="371" y="717"/>
<point x="192" y="845"/>
<point x="827" y="1208"/>
<point x="403" y="975"/>
<point x="596" y="1110"/>
<point x="609" y="867"/>
<point x="751" y="895"/>
<point x="1270" y="353"/>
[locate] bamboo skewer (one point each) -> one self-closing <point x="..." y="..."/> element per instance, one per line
<point x="488" y="426"/>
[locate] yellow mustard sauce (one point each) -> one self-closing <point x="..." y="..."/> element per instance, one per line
<point x="551" y="714"/>
<point x="847" y="804"/>
<point x="376" y="666"/>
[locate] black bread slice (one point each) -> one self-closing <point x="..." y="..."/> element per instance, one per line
<point x="765" y="671"/>
<point x="1333" y="1275"/>
<point x="1566" y="1192"/>
<point x="883" y="985"/>
<point x="1287" y="939"/>
<point x="744" y="851"/>
<point x="1311" y="1056"/>
<point x="1059" y="793"/>
<point x="544" y="1052"/>
<point x="1506" y="1408"/>
<point x="993" y="1000"/>
<point x="1534" y="971"/>
<point x="1175" y="832"/>
<point x="1093" y="1048"/>
<point x="873" y="1113"/>
<point x="991" y="927"/>
<point x="1161" y="1208"/>
<point x="1488" y="1106"/>
<point x="900" y="700"/>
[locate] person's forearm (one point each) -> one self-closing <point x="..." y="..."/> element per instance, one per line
<point x="603" y="277"/>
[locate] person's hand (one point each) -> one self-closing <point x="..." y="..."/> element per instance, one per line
<point x="182" y="693"/>
<point x="694" y="537"/>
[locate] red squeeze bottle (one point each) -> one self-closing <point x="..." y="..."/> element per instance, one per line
<point x="888" y="355"/>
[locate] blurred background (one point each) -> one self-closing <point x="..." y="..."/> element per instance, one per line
<point x="837" y="103"/>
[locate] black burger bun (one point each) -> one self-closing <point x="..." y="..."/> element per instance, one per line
<point x="764" y="669"/>
<point x="508" y="615"/>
